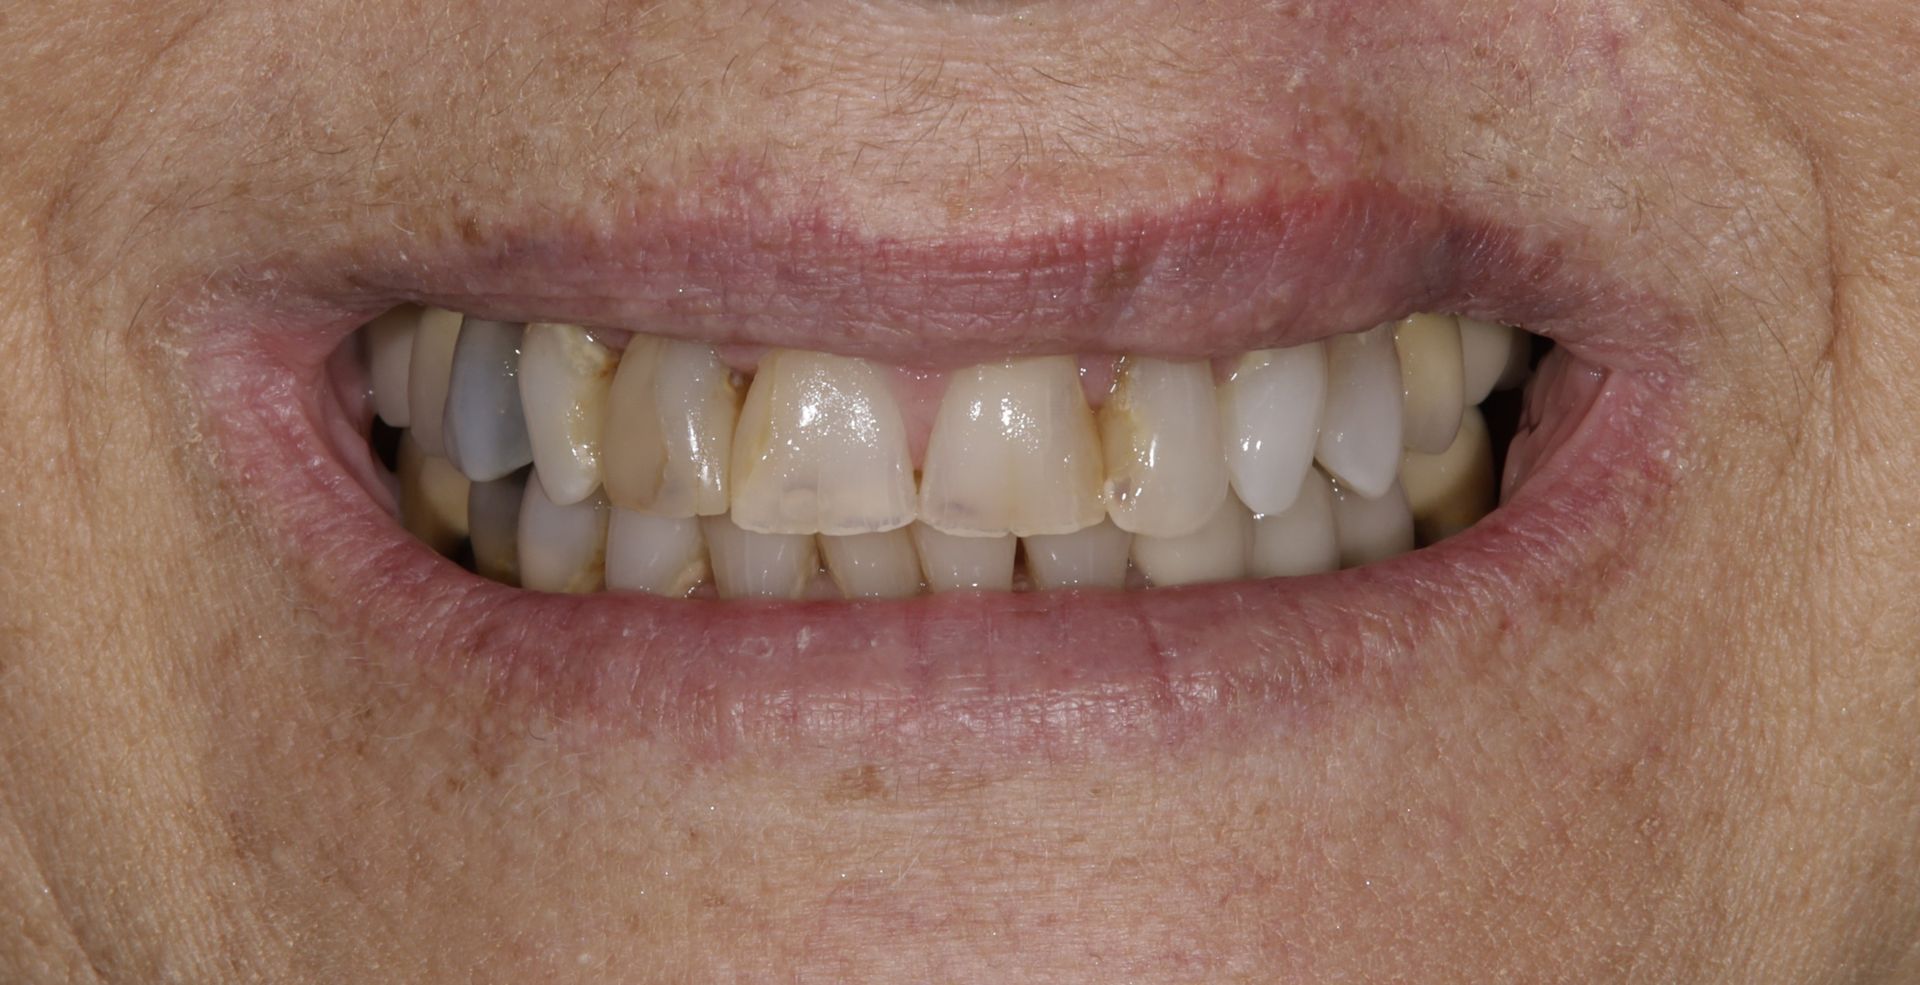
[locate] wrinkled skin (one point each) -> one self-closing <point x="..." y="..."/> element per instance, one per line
<point x="1701" y="770"/>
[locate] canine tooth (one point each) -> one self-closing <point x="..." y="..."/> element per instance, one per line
<point x="756" y="565"/>
<point x="483" y="430"/>
<point x="389" y="353"/>
<point x="873" y="566"/>
<point x="429" y="368"/>
<point x="1371" y="528"/>
<point x="563" y="546"/>
<point x="1215" y="552"/>
<point x="820" y="449"/>
<point x="1360" y="432"/>
<point x="1013" y="450"/>
<point x="564" y="375"/>
<point x="1270" y="411"/>
<point x="1494" y="357"/>
<point x="665" y="555"/>
<point x="1095" y="557"/>
<point x="433" y="497"/>
<point x="1160" y="436"/>
<point x="1451" y="491"/>
<point x="670" y="420"/>
<point x="1299" y="540"/>
<point x="1432" y="387"/>
<point x="493" y="514"/>
<point x="953" y="563"/>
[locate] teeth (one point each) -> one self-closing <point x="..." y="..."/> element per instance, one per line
<point x="820" y="448"/>
<point x="1371" y="529"/>
<point x="1299" y="540"/>
<point x="1451" y="491"/>
<point x="1494" y="357"/>
<point x="1160" y="434"/>
<point x="1270" y="419"/>
<point x="957" y="564"/>
<point x="429" y="368"/>
<point x="664" y="555"/>
<point x="1216" y="552"/>
<point x="671" y="416"/>
<point x="1360" y="434"/>
<point x="493" y="511"/>
<point x="389" y="353"/>
<point x="433" y="497"/>
<point x="1432" y="384"/>
<point x="1013" y="450"/>
<point x="755" y="565"/>
<point x="485" y="435"/>
<point x="562" y="545"/>
<point x="873" y="566"/>
<point x="564" y="375"/>
<point x="1095" y="557"/>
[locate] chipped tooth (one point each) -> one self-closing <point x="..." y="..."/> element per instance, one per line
<point x="1360" y="431"/>
<point x="1494" y="356"/>
<point x="1301" y="539"/>
<point x="433" y="497"/>
<point x="1371" y="528"/>
<point x="389" y="353"/>
<point x="820" y="449"/>
<point x="1270" y="411"/>
<point x="493" y="512"/>
<point x="429" y="369"/>
<point x="1095" y="557"/>
<point x="564" y="375"/>
<point x="670" y="420"/>
<point x="953" y="563"/>
<point x="483" y="430"/>
<point x="1215" y="552"/>
<point x="755" y="565"/>
<point x="664" y="555"/>
<point x="562" y="545"/>
<point x="1160" y="437"/>
<point x="1013" y="449"/>
<point x="873" y="566"/>
<point x="1451" y="491"/>
<point x="1431" y="381"/>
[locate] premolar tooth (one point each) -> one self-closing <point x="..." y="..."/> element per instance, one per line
<point x="1360" y="433"/>
<point x="1494" y="356"/>
<point x="562" y="545"/>
<point x="873" y="566"/>
<point x="820" y="449"/>
<point x="1092" y="558"/>
<point x="1013" y="450"/>
<point x="670" y="420"/>
<point x="564" y="375"/>
<point x="1371" y="528"/>
<point x="1451" y="491"/>
<point x="1160" y="436"/>
<point x="1432" y="384"/>
<point x="953" y="563"/>
<point x="1270" y="419"/>
<point x="433" y="497"/>
<point x="756" y="565"/>
<point x="493" y="515"/>
<point x="664" y="555"/>
<point x="483" y="429"/>
<point x="389" y="353"/>
<point x="1299" y="540"/>
<point x="429" y="368"/>
<point x="1215" y="552"/>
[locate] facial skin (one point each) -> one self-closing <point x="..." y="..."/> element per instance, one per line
<point x="1693" y="763"/>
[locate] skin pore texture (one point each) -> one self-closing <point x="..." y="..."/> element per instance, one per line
<point x="1692" y="761"/>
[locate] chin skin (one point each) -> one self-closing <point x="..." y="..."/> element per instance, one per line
<point x="1694" y="762"/>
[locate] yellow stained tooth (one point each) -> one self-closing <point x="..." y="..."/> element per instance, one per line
<point x="1301" y="539"/>
<point x="564" y="376"/>
<point x="671" y="415"/>
<point x="756" y="565"/>
<point x="1451" y="491"/>
<point x="1494" y="356"/>
<point x="433" y="497"/>
<point x="663" y="555"/>
<point x="1218" y="551"/>
<point x="1160" y="437"/>
<point x="429" y="371"/>
<point x="1371" y="528"/>
<point x="563" y="546"/>
<point x="1092" y="558"/>
<point x="389" y="354"/>
<point x="1432" y="381"/>
<point x="1014" y="450"/>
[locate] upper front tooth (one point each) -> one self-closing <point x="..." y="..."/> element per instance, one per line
<point x="756" y="565"/>
<point x="1494" y="357"/>
<point x="670" y="421"/>
<point x="1432" y="381"/>
<point x="820" y="448"/>
<point x="873" y="566"/>
<point x="389" y="353"/>
<point x="563" y="546"/>
<point x="1095" y="557"/>
<point x="1216" y="552"/>
<point x="564" y="374"/>
<point x="429" y="368"/>
<point x="1301" y="539"/>
<point x="485" y="434"/>
<point x="1270" y="418"/>
<point x="1451" y="491"/>
<point x="953" y="563"/>
<point x="1160" y="432"/>
<point x="1371" y="528"/>
<point x="1360" y="434"/>
<point x="1013" y="450"/>
<point x="665" y="555"/>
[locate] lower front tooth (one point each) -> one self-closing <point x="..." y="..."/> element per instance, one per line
<point x="433" y="497"/>
<point x="953" y="563"/>
<point x="1432" y="381"/>
<point x="564" y="375"/>
<point x="753" y="565"/>
<point x="1360" y="432"/>
<point x="1216" y="552"/>
<point x="1494" y="358"/>
<point x="1371" y="528"/>
<point x="1451" y="491"/>
<point x="493" y="514"/>
<point x="389" y="353"/>
<point x="484" y="431"/>
<point x="1299" y="540"/>
<point x="1092" y="558"/>
<point x="429" y="368"/>
<point x="658" y="554"/>
<point x="562" y="545"/>
<point x="873" y="566"/>
<point x="1160" y="435"/>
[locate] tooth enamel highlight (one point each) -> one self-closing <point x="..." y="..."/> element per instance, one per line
<point x="389" y="354"/>
<point x="1494" y="357"/>
<point x="1092" y="558"/>
<point x="1451" y="491"/>
<point x="1371" y="528"/>
<point x="820" y="448"/>
<point x="873" y="566"/>
<point x="1432" y="381"/>
<point x="433" y="497"/>
<point x="1216" y="552"/>
<point x="1160" y="437"/>
<point x="1013" y="450"/>
<point x="429" y="368"/>
<point x="483" y="430"/>
<point x="1360" y="432"/>
<point x="564" y="375"/>
<point x="493" y="515"/>
<point x="663" y="555"/>
<point x="952" y="563"/>
<point x="1299" y="540"/>
<point x="756" y="565"/>
<point x="1270" y="411"/>
<point x="670" y="419"/>
<point x="562" y="545"/>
